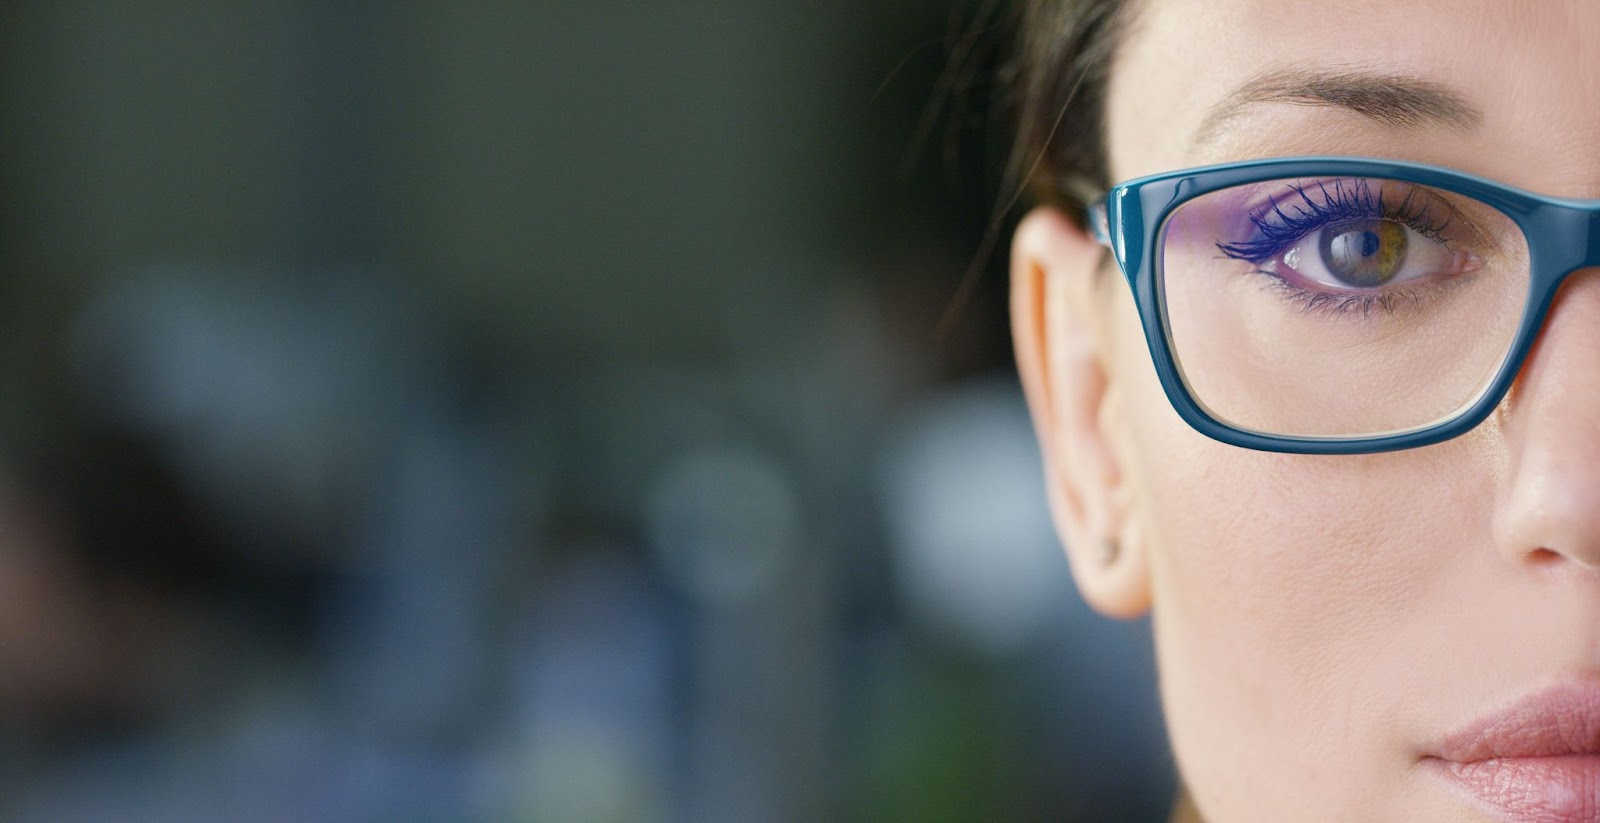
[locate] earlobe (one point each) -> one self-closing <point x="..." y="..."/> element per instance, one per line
<point x="1063" y="358"/>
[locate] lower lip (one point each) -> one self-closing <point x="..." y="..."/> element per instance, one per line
<point x="1558" y="789"/>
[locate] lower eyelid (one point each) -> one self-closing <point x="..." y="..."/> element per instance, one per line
<point x="1338" y="304"/>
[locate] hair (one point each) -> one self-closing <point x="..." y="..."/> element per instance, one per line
<point x="1058" y="77"/>
<point x="1053" y="87"/>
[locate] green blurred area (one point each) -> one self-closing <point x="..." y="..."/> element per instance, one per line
<point x="489" y="410"/>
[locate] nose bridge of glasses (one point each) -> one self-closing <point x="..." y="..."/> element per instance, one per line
<point x="1565" y="242"/>
<point x="1563" y="236"/>
<point x="1591" y="211"/>
<point x="1586" y="224"/>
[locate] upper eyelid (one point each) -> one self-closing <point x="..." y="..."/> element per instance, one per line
<point x="1360" y="189"/>
<point x="1269" y="219"/>
<point x="1434" y="203"/>
<point x="1355" y="194"/>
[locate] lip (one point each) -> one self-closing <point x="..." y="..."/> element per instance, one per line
<point x="1536" y="759"/>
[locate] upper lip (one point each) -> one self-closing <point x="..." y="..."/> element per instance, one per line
<point x="1556" y="721"/>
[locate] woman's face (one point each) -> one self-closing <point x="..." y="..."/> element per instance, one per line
<point x="1324" y="625"/>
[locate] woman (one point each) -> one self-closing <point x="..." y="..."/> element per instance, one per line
<point x="1334" y="424"/>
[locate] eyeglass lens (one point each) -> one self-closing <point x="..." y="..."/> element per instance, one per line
<point x="1339" y="307"/>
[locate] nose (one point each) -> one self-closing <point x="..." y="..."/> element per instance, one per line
<point x="1549" y="512"/>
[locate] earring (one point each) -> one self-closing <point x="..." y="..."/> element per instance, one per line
<point x="1109" y="549"/>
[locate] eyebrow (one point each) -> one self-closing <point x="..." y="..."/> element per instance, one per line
<point x="1395" y="100"/>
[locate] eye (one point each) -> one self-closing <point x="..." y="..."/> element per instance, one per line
<point x="1368" y="254"/>
<point x="1364" y="253"/>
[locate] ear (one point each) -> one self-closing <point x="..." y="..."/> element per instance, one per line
<point x="1061" y="329"/>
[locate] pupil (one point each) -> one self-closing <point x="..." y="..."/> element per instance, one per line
<point x="1363" y="253"/>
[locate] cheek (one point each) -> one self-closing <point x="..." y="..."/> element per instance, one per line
<point x="1290" y="593"/>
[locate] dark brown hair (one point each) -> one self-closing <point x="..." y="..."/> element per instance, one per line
<point x="1058" y="77"/>
<point x="1053" y="88"/>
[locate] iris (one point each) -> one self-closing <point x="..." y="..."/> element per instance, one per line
<point x="1363" y="253"/>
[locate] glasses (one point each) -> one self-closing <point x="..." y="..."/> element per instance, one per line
<point x="1339" y="305"/>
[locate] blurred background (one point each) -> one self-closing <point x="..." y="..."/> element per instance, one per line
<point x="528" y="411"/>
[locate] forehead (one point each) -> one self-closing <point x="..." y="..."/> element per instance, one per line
<point x="1532" y="69"/>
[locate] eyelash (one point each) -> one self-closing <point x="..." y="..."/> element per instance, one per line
<point x="1338" y="304"/>
<point x="1278" y="230"/>
<point x="1356" y="201"/>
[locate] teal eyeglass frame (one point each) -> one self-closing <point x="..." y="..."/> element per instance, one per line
<point x="1563" y="236"/>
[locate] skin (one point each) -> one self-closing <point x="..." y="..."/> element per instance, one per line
<point x="1322" y="622"/>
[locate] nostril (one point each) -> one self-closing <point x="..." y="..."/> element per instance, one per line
<point x="1551" y="560"/>
<point x="1543" y="557"/>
